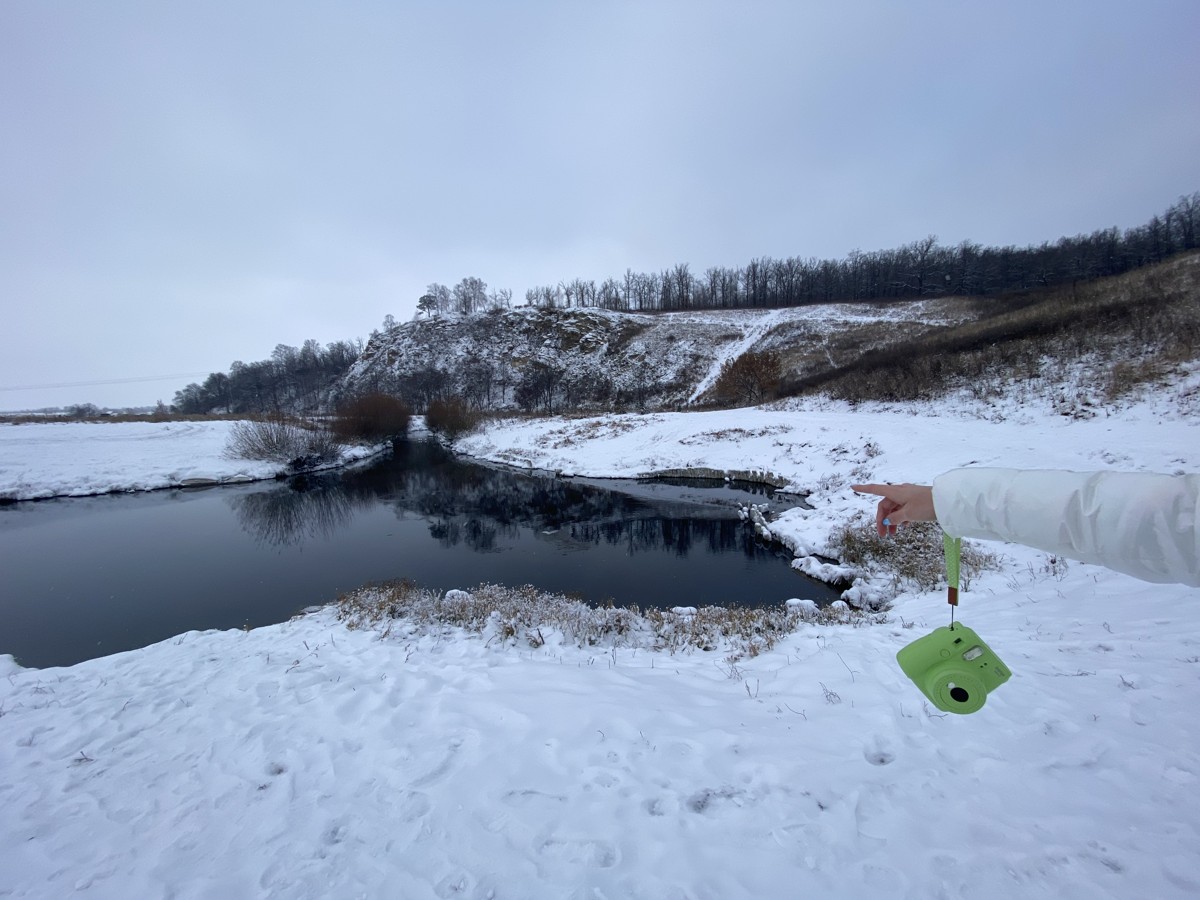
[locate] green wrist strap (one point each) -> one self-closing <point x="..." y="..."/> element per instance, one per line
<point x="953" y="549"/>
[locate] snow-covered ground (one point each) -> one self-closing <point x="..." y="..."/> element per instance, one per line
<point x="74" y="459"/>
<point x="308" y="760"/>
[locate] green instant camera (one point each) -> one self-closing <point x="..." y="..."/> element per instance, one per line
<point x="953" y="668"/>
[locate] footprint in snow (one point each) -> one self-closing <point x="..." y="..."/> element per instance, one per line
<point x="879" y="753"/>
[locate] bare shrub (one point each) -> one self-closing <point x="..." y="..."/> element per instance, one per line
<point x="323" y="445"/>
<point x="752" y="378"/>
<point x="82" y="411"/>
<point x="372" y="417"/>
<point x="282" y="440"/>
<point x="451" y="417"/>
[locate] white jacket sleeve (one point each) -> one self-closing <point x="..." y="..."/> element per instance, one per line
<point x="1138" y="523"/>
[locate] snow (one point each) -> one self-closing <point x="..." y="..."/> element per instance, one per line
<point x="74" y="459"/>
<point x="754" y="331"/>
<point x="309" y="760"/>
<point x="665" y="360"/>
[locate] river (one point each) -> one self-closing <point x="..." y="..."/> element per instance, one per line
<point x="92" y="576"/>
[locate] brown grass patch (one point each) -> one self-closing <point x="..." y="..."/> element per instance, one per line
<point x="1150" y="315"/>
<point x="913" y="558"/>
<point x="527" y="616"/>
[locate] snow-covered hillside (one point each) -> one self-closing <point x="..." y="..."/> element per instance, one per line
<point x="610" y="360"/>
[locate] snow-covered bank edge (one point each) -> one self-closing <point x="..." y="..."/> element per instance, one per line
<point x="815" y="449"/>
<point x="41" y="461"/>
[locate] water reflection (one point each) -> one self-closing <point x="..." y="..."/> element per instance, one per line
<point x="474" y="534"/>
<point x="287" y="517"/>
<point x="476" y="506"/>
<point x="680" y="536"/>
<point x="147" y="567"/>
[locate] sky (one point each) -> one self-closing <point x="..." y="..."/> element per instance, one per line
<point x="186" y="185"/>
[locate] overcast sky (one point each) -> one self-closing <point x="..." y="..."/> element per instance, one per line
<point x="183" y="185"/>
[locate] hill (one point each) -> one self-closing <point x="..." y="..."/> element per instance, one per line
<point x="556" y="360"/>
<point x="1114" y="334"/>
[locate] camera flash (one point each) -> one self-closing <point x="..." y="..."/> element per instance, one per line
<point x="974" y="653"/>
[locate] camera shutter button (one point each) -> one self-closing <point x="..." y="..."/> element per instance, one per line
<point x="945" y="654"/>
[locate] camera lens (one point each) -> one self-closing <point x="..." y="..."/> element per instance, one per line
<point x="954" y="687"/>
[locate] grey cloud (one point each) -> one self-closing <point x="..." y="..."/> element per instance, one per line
<point x="204" y="182"/>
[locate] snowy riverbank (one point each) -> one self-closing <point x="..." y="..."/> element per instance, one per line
<point x="76" y="459"/>
<point x="306" y="760"/>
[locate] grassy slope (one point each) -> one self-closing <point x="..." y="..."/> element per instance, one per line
<point x="1121" y="332"/>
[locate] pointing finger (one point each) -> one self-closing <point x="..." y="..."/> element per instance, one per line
<point x="880" y="490"/>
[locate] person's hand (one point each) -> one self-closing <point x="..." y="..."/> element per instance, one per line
<point x="901" y="503"/>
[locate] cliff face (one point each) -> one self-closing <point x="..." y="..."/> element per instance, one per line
<point x="559" y="360"/>
<point x="572" y="358"/>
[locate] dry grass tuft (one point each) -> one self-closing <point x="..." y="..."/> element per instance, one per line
<point x="526" y="616"/>
<point x="913" y="557"/>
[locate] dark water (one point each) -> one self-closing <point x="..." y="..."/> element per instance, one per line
<point x="87" y="577"/>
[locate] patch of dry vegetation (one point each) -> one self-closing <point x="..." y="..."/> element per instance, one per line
<point x="526" y="616"/>
<point x="452" y="417"/>
<point x="283" y="440"/>
<point x="912" y="559"/>
<point x="371" y="417"/>
<point x="1131" y="331"/>
<point x="750" y="379"/>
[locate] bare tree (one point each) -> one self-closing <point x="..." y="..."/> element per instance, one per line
<point x="477" y="378"/>
<point x="1187" y="219"/>
<point x="751" y="378"/>
<point x="423" y="386"/>
<point x="547" y="297"/>
<point x="470" y="295"/>
<point x="684" y="283"/>
<point x="539" y="386"/>
<point x="610" y="296"/>
<point x="500" y="299"/>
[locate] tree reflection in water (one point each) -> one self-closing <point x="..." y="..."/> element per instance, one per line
<point x="475" y="506"/>
<point x="308" y="508"/>
<point x="255" y="554"/>
<point x="675" y="534"/>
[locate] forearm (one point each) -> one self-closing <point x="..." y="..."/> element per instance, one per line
<point x="1138" y="523"/>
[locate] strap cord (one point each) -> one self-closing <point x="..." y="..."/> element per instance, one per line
<point x="953" y="550"/>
